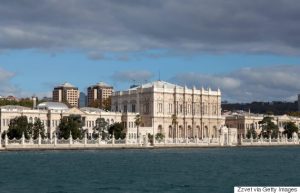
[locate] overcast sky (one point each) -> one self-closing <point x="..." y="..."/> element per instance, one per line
<point x="248" y="49"/>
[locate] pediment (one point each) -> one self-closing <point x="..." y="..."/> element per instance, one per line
<point x="75" y="111"/>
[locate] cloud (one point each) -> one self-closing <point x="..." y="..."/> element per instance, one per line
<point x="132" y="76"/>
<point x="194" y="26"/>
<point x="6" y="87"/>
<point x="249" y="84"/>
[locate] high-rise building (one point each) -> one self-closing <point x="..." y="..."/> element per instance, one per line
<point x="82" y="99"/>
<point x="66" y="93"/>
<point x="97" y="94"/>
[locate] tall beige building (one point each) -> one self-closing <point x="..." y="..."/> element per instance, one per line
<point x="66" y="93"/>
<point x="198" y="111"/>
<point x="98" y="93"/>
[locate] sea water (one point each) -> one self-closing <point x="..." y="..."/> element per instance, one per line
<point x="205" y="170"/>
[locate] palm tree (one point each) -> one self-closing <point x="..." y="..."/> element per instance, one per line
<point x="138" y="122"/>
<point x="174" y="123"/>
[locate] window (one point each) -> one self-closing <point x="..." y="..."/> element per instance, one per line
<point x="133" y="108"/>
<point x="170" y="108"/>
<point x="146" y="108"/>
<point x="125" y="108"/>
<point x="160" y="107"/>
<point x="180" y="108"/>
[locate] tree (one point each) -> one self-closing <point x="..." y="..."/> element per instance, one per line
<point x="290" y="128"/>
<point x="95" y="103"/>
<point x="26" y="102"/>
<point x="159" y="136"/>
<point x="138" y="122"/>
<point x="150" y="138"/>
<point x="294" y="113"/>
<point x="117" y="129"/>
<point x="38" y="128"/>
<point x="268" y="127"/>
<point x="106" y="104"/>
<point x="252" y="132"/>
<point x="101" y="128"/>
<point x="18" y="126"/>
<point x="71" y="124"/>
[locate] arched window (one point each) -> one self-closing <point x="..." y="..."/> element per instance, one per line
<point x="171" y="132"/>
<point x="181" y="132"/>
<point x="206" y="131"/>
<point x="199" y="131"/>
<point x="159" y="129"/>
<point x="215" y="131"/>
<point x="190" y="132"/>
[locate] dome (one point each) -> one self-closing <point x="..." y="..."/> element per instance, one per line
<point x="52" y="106"/>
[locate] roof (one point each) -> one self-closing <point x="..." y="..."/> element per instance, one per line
<point x="158" y="84"/>
<point x="92" y="110"/>
<point x="102" y="84"/>
<point x="67" y="84"/>
<point x="52" y="106"/>
<point x="14" y="107"/>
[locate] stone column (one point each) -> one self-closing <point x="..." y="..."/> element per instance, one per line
<point x="39" y="139"/>
<point x="99" y="139"/>
<point x="85" y="139"/>
<point x="241" y="139"/>
<point x="23" y="139"/>
<point x="6" y="140"/>
<point x="70" y="138"/>
<point x="176" y="133"/>
<point x="153" y="137"/>
<point x="113" y="139"/>
<point x="55" y="140"/>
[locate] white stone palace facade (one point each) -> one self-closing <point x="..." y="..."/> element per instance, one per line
<point x="198" y="111"/>
<point x="245" y="121"/>
<point x="50" y="113"/>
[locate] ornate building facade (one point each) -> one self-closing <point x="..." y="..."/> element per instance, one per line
<point x="175" y="111"/>
<point x="50" y="114"/>
<point x="244" y="121"/>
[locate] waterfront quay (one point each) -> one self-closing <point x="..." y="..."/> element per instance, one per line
<point x="85" y="143"/>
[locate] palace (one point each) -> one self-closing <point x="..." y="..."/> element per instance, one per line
<point x="197" y="111"/>
<point x="50" y="113"/>
<point x="172" y="110"/>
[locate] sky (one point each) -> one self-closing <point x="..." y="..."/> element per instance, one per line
<point x="248" y="49"/>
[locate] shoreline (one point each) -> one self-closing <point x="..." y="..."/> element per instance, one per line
<point x="135" y="148"/>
